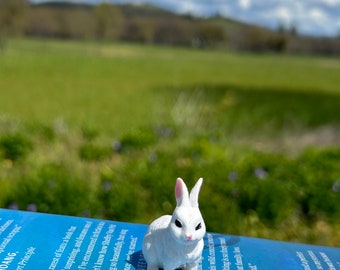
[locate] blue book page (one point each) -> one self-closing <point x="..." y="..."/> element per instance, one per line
<point x="43" y="241"/>
<point x="54" y="242"/>
<point x="224" y="252"/>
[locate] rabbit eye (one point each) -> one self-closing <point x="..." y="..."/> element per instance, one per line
<point x="178" y="223"/>
<point x="199" y="226"/>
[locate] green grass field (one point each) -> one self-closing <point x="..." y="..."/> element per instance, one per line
<point x="104" y="129"/>
<point x="46" y="80"/>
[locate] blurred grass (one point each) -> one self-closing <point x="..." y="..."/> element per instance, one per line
<point x="104" y="129"/>
<point x="111" y="80"/>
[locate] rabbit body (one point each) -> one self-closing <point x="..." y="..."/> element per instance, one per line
<point x="176" y="241"/>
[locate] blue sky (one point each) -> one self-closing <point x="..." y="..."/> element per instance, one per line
<point x="312" y="17"/>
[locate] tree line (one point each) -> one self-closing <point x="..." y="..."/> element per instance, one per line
<point x="148" y="24"/>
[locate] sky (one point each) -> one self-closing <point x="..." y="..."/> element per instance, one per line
<point x="309" y="17"/>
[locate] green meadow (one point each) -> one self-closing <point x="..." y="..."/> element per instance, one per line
<point x="103" y="130"/>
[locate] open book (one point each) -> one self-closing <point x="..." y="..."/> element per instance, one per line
<point x="53" y="242"/>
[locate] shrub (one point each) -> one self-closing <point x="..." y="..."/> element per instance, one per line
<point x="138" y="139"/>
<point x="53" y="188"/>
<point x="15" y="146"/>
<point x="92" y="152"/>
<point x="319" y="173"/>
<point x="89" y="133"/>
<point x="121" y="197"/>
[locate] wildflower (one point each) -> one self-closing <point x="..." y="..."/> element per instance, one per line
<point x="165" y="132"/>
<point x="260" y="173"/>
<point x="106" y="185"/>
<point x="153" y="158"/>
<point x="233" y="176"/>
<point x="86" y="213"/>
<point x="117" y="146"/>
<point x="32" y="207"/>
<point x="13" y="206"/>
<point x="336" y="186"/>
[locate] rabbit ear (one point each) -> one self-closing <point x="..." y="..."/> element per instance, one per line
<point x="181" y="193"/>
<point x="194" y="193"/>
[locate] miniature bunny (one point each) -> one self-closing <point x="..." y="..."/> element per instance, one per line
<point x="176" y="241"/>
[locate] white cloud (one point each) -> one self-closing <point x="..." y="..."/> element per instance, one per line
<point x="187" y="7"/>
<point x="317" y="15"/>
<point x="283" y="14"/>
<point x="318" y="21"/>
<point x="331" y="2"/>
<point x="245" y="4"/>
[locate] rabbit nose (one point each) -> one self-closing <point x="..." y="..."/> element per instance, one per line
<point x="189" y="237"/>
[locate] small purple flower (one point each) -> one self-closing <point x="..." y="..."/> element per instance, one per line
<point x="13" y="206"/>
<point x="117" y="146"/>
<point x="153" y="158"/>
<point x="107" y="186"/>
<point x="32" y="207"/>
<point x="166" y="132"/>
<point x="233" y="176"/>
<point x="260" y="173"/>
<point x="86" y="213"/>
<point x="336" y="186"/>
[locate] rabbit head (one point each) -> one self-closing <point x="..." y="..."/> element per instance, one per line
<point x="187" y="225"/>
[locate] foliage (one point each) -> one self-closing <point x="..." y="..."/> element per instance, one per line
<point x="137" y="185"/>
<point x="268" y="149"/>
<point x="12" y="17"/>
<point x="90" y="151"/>
<point x="140" y="138"/>
<point x="108" y="21"/>
<point x="51" y="188"/>
<point x="14" y="146"/>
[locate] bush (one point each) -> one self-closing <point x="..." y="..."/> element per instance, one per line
<point x="319" y="174"/>
<point x="15" y="146"/>
<point x="245" y="191"/>
<point x="92" y="152"/>
<point x="121" y="199"/>
<point x="53" y="188"/>
<point x="137" y="139"/>
<point x="257" y="190"/>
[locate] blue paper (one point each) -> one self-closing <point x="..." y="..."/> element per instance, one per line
<point x="54" y="242"/>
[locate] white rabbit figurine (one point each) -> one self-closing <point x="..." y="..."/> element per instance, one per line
<point x="176" y="241"/>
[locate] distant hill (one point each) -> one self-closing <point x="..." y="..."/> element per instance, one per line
<point x="149" y="24"/>
<point x="63" y="5"/>
<point x="145" y="10"/>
